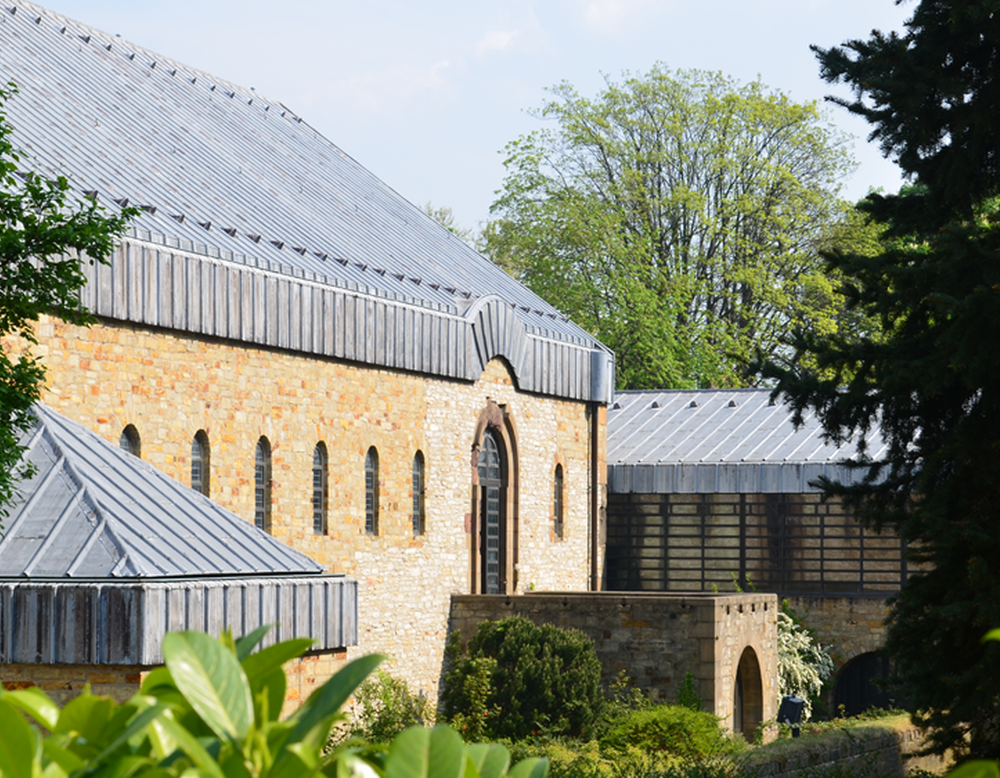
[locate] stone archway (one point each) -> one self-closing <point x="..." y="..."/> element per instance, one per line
<point x="494" y="519"/>
<point x="748" y="696"/>
<point x="858" y="688"/>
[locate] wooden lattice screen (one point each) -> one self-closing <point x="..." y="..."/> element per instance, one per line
<point x="792" y="544"/>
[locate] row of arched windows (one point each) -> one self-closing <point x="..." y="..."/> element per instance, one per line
<point x="201" y="474"/>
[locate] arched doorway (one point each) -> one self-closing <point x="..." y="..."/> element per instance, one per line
<point x="493" y="526"/>
<point x="858" y="684"/>
<point x="748" y="696"/>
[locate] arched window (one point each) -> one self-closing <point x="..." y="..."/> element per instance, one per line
<point x="492" y="482"/>
<point x="418" y="494"/>
<point x="371" y="492"/>
<point x="262" y="485"/>
<point x="200" y="460"/>
<point x="319" y="489"/>
<point x="557" y="502"/>
<point x="129" y="441"/>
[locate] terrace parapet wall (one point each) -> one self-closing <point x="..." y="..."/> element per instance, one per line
<point x="656" y="638"/>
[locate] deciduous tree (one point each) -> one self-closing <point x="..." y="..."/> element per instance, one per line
<point x="676" y="216"/>
<point x="930" y="386"/>
<point x="44" y="232"/>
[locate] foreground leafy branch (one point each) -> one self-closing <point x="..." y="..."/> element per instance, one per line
<point x="213" y="712"/>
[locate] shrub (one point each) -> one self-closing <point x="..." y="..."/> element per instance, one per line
<point x="521" y="679"/>
<point x="387" y="707"/>
<point x="803" y="664"/>
<point x="674" y="729"/>
<point x="687" y="695"/>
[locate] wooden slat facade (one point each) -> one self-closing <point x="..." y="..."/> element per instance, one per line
<point x="124" y="623"/>
<point x="160" y="286"/>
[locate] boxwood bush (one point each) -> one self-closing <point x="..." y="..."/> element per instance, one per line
<point x="672" y="729"/>
<point x="518" y="680"/>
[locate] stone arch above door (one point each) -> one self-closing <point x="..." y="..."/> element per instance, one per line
<point x="497" y="424"/>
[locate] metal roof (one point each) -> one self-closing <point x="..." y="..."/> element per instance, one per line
<point x="718" y="441"/>
<point x="223" y="170"/>
<point x="93" y="511"/>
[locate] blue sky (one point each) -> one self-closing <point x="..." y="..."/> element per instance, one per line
<point x="427" y="94"/>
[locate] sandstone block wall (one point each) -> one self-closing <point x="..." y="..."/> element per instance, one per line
<point x="847" y="626"/>
<point x="171" y="385"/>
<point x="655" y="638"/>
<point x="64" y="682"/>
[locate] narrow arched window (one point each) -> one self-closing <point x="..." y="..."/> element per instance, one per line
<point x="262" y="485"/>
<point x="418" y="494"/>
<point x="319" y="489"/>
<point x="129" y="441"/>
<point x="200" y="458"/>
<point x="557" y="502"/>
<point x="371" y="492"/>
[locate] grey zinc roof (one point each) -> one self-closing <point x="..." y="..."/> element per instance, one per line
<point x="92" y="511"/>
<point x="718" y="441"/>
<point x="223" y="170"/>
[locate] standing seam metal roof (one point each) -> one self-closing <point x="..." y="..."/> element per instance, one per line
<point x="718" y="441"/>
<point x="224" y="169"/>
<point x="93" y="511"/>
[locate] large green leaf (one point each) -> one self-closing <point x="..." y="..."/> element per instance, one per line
<point x="67" y="761"/>
<point x="256" y="666"/>
<point x="273" y="687"/>
<point x="329" y="697"/>
<point x="993" y="634"/>
<point x="37" y="704"/>
<point x="212" y="681"/>
<point x="190" y="746"/>
<point x="86" y="715"/>
<point x="426" y="753"/>
<point x="20" y="745"/>
<point x="977" y="768"/>
<point x="123" y="766"/>
<point x="158" y="677"/>
<point x="247" y="643"/>
<point x="491" y="760"/>
<point x="530" y="768"/>
<point x="137" y="723"/>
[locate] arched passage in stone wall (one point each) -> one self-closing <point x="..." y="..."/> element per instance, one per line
<point x="748" y="695"/>
<point x="857" y="685"/>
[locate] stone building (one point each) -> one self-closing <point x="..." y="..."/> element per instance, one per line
<point x="713" y="491"/>
<point x="285" y="334"/>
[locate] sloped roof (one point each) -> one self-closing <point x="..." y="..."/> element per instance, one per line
<point x="718" y="441"/>
<point x="222" y="170"/>
<point x="93" y="511"/>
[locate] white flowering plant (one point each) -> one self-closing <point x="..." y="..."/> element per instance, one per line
<point x="803" y="663"/>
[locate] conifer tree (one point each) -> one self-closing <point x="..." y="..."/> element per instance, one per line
<point x="923" y="399"/>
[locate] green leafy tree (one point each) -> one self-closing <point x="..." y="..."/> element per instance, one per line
<point x="677" y="216"/>
<point x="922" y="402"/>
<point x="444" y="216"/>
<point x="43" y="235"/>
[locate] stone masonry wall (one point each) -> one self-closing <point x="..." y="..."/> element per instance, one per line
<point x="64" y="682"/>
<point x="170" y="386"/>
<point x="654" y="638"/>
<point x="847" y="626"/>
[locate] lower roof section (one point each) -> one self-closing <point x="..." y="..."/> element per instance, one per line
<point x="123" y="623"/>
